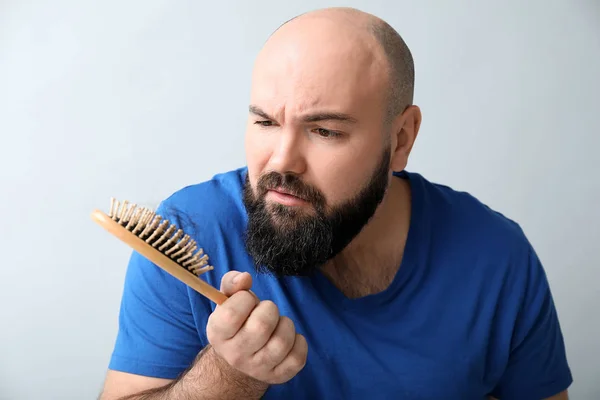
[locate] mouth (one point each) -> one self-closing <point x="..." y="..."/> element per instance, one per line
<point x="284" y="197"/>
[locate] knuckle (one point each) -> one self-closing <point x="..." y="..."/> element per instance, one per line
<point x="299" y="356"/>
<point x="226" y="316"/>
<point x="259" y="325"/>
<point x="283" y="340"/>
<point x="278" y="344"/>
<point x="270" y="307"/>
<point x="263" y="320"/>
<point x="288" y="324"/>
<point x="246" y="296"/>
<point x="297" y="361"/>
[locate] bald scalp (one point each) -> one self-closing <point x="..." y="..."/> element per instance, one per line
<point x="400" y="63"/>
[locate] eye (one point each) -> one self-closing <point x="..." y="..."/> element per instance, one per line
<point x="326" y="133"/>
<point x="264" y="123"/>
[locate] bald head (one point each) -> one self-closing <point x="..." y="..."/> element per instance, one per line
<point x="389" y="48"/>
<point x="401" y="74"/>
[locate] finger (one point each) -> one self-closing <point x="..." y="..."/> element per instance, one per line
<point x="278" y="346"/>
<point x="229" y="317"/>
<point x="293" y="363"/>
<point x="234" y="281"/>
<point x="258" y="328"/>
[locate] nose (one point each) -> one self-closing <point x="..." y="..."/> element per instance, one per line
<point x="288" y="154"/>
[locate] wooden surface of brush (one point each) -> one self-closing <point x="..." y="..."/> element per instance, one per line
<point x="161" y="242"/>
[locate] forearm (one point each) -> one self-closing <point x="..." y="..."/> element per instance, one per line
<point x="209" y="378"/>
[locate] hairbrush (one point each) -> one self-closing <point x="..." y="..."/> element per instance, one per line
<point x="161" y="242"/>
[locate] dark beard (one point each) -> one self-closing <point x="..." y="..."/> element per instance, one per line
<point x="286" y="241"/>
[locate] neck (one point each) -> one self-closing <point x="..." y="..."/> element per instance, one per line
<point x="370" y="262"/>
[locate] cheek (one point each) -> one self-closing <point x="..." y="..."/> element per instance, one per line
<point x="257" y="153"/>
<point x="340" y="176"/>
<point x="342" y="172"/>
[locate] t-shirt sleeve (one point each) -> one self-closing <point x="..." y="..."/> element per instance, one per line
<point x="157" y="334"/>
<point x="537" y="366"/>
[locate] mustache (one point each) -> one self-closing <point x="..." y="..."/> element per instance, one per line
<point x="290" y="183"/>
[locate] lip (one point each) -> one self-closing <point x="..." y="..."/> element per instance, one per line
<point x="283" y="197"/>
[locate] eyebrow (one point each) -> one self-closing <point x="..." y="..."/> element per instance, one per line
<point x="259" y="112"/>
<point x="312" y="117"/>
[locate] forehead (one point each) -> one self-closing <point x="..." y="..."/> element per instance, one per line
<point x="304" y="69"/>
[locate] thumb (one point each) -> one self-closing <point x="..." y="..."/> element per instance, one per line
<point x="234" y="281"/>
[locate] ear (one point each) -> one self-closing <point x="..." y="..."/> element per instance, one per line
<point x="405" y="129"/>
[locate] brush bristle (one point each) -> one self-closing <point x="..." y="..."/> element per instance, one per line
<point x="160" y="234"/>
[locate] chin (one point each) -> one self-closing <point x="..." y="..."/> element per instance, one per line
<point x="288" y="218"/>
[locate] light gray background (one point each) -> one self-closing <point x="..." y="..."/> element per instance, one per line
<point x="136" y="99"/>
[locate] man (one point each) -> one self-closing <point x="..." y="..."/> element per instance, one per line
<point x="349" y="277"/>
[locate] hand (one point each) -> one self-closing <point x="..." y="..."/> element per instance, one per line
<point x="252" y="337"/>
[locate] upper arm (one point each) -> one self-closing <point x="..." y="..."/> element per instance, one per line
<point x="537" y="366"/>
<point x="157" y="335"/>
<point x="118" y="384"/>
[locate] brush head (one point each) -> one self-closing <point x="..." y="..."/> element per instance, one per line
<point x="161" y="234"/>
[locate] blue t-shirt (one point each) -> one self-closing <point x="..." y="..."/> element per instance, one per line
<point x="468" y="314"/>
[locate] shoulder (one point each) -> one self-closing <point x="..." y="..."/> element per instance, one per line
<point x="200" y="206"/>
<point x="482" y="252"/>
<point x="461" y="221"/>
<point x="481" y="245"/>
<point x="220" y="192"/>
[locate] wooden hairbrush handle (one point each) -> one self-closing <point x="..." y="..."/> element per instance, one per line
<point x="158" y="258"/>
